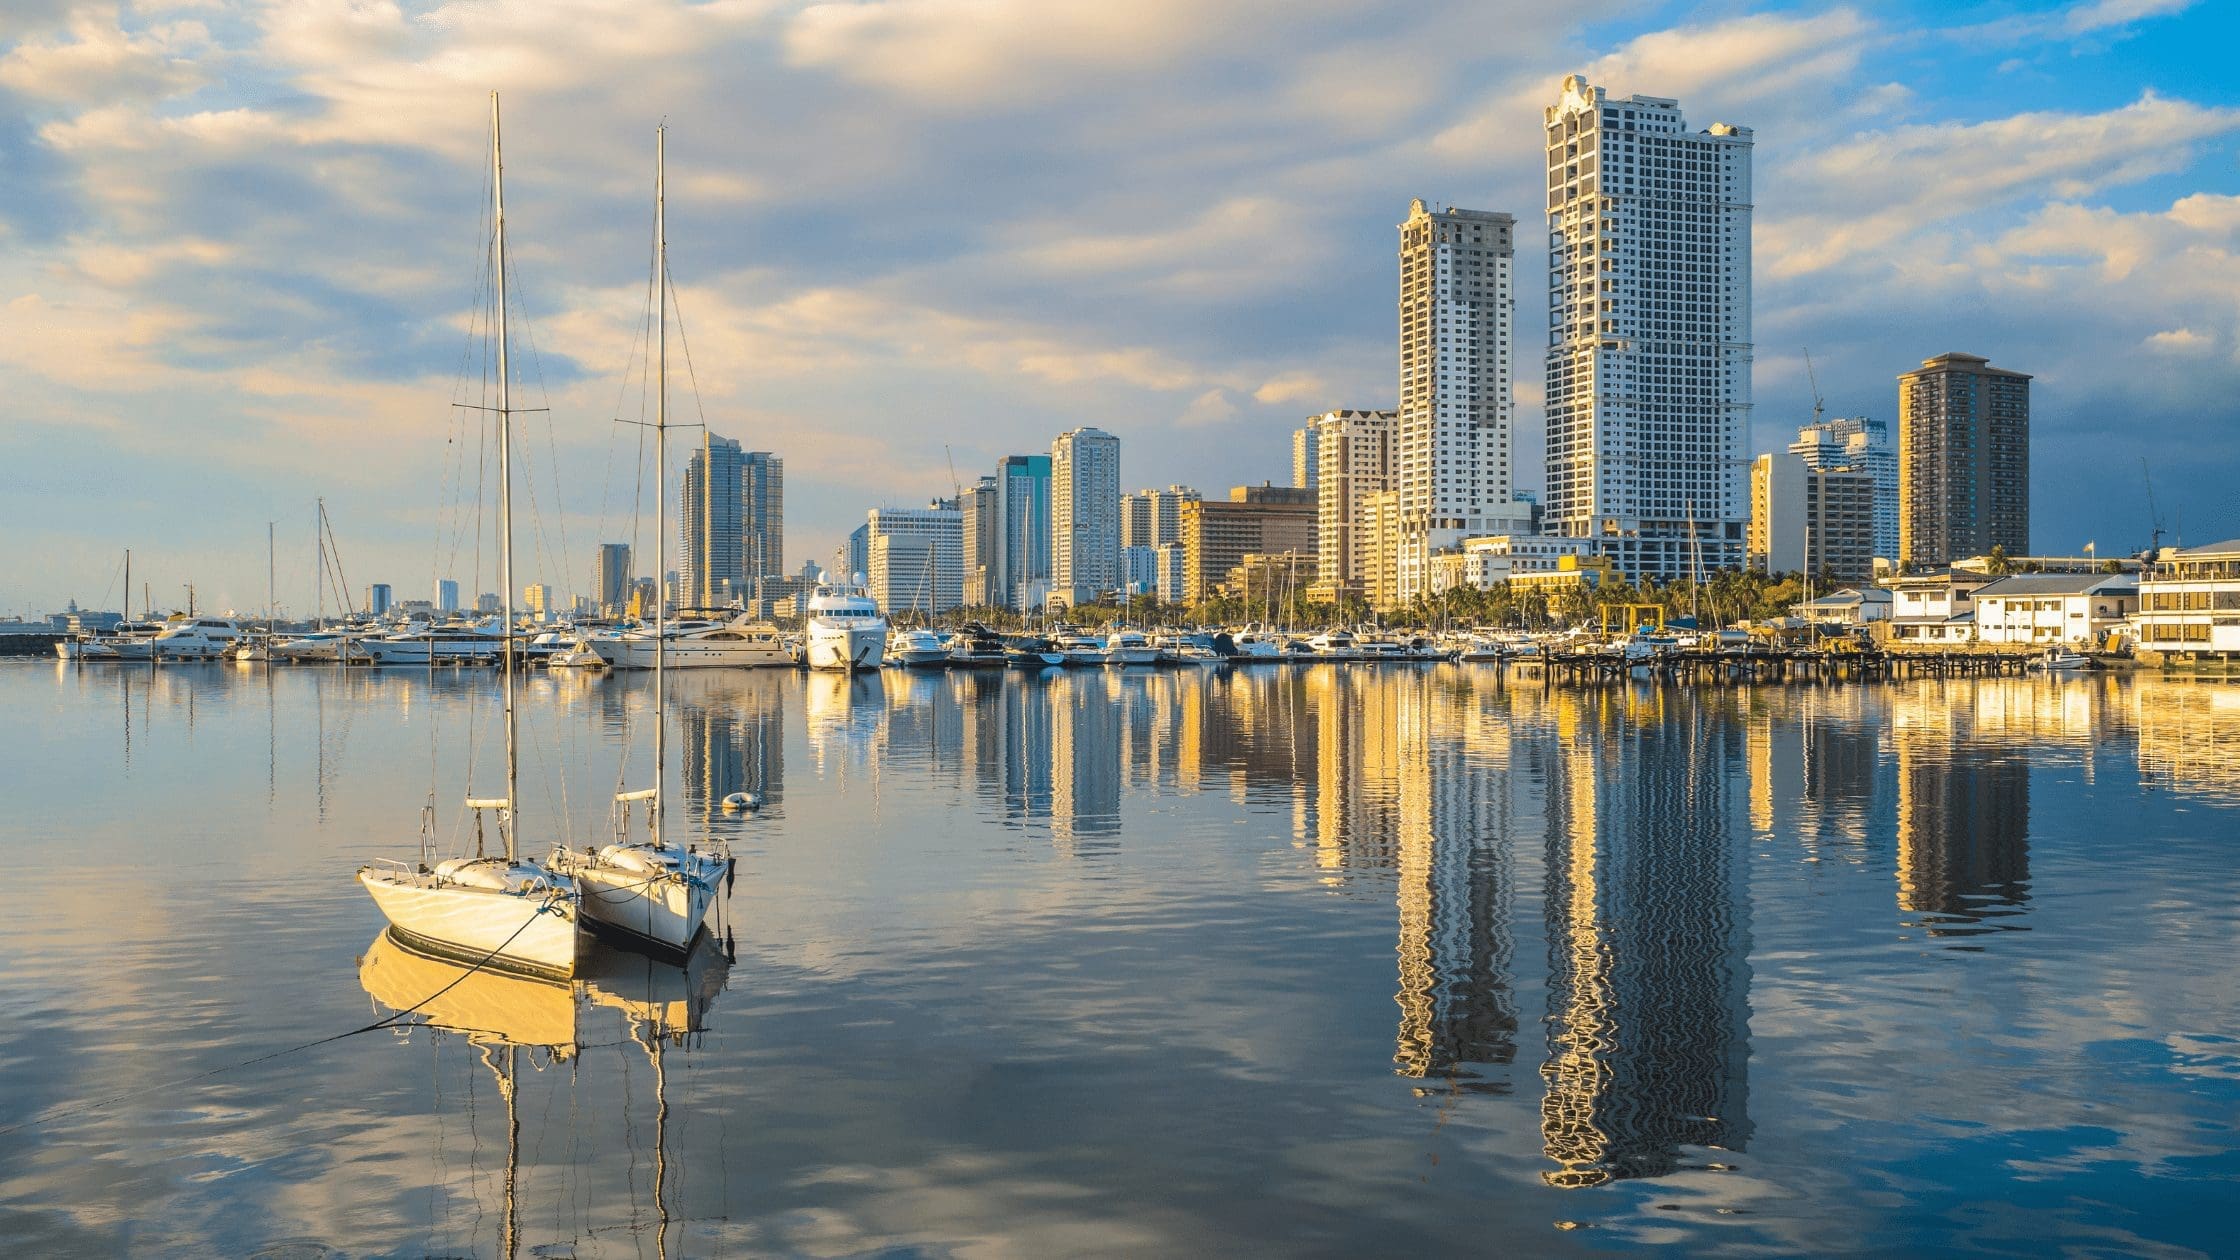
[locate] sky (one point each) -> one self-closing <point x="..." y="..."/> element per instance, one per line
<point x="241" y="247"/>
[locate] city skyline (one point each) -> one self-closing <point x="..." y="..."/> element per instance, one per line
<point x="1906" y="204"/>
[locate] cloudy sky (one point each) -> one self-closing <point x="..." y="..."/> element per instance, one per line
<point x="240" y="243"/>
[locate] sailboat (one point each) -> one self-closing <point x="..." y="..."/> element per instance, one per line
<point x="499" y="911"/>
<point x="651" y="894"/>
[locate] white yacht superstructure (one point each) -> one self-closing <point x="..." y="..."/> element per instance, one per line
<point x="846" y="631"/>
<point x="699" y="644"/>
<point x="441" y="645"/>
<point x="182" y="639"/>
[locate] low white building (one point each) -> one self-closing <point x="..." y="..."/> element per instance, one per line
<point x="1847" y="607"/>
<point x="2054" y="608"/>
<point x="1935" y="608"/>
<point x="2189" y="602"/>
<point x="1490" y="559"/>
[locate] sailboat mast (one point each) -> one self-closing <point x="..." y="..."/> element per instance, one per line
<point x="319" y="576"/>
<point x="661" y="461"/>
<point x="128" y="584"/>
<point x="505" y="470"/>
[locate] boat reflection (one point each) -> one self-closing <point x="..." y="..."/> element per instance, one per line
<point x="504" y="1017"/>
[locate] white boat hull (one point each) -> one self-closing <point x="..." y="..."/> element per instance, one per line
<point x="664" y="911"/>
<point x="847" y="649"/>
<point x="531" y="933"/>
<point x="439" y="651"/>
<point x="692" y="654"/>
<point x="1131" y="656"/>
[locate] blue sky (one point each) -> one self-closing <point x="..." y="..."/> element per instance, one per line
<point x="239" y="244"/>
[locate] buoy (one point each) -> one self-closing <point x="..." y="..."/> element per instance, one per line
<point x="743" y="800"/>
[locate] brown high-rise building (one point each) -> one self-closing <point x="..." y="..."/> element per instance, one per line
<point x="1264" y="520"/>
<point x="1963" y="460"/>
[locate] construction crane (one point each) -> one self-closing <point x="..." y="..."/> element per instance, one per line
<point x="1819" y="404"/>
<point x="2154" y="514"/>
<point x="956" y="487"/>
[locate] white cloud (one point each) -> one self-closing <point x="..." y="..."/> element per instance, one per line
<point x="98" y="61"/>
<point x="2103" y="14"/>
<point x="2184" y="341"/>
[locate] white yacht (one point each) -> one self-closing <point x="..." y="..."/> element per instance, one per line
<point x="102" y="645"/>
<point x="322" y="645"/>
<point x="1079" y="648"/>
<point x="1130" y="647"/>
<point x="487" y="910"/>
<point x="1336" y="645"/>
<point x="1257" y="646"/>
<point x="442" y="645"/>
<point x="698" y="644"/>
<point x="183" y="639"/>
<point x="920" y="649"/>
<point x="846" y="631"/>
<point x="655" y="893"/>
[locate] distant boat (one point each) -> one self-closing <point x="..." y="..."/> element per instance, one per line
<point x="439" y="645"/>
<point x="182" y="639"/>
<point x="1129" y="647"/>
<point x="976" y="646"/>
<point x="699" y="644"/>
<point x="920" y="649"/>
<point x="498" y="911"/>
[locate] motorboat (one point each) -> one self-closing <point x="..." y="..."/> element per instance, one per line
<point x="1079" y="649"/>
<point x="182" y="639"/>
<point x="846" y="631"/>
<point x="1032" y="651"/>
<point x="918" y="649"/>
<point x="2059" y="660"/>
<point x="1130" y="647"/>
<point x="977" y="647"/>
<point x="696" y="643"/>
<point x="103" y="645"/>
<point x="448" y="644"/>
<point x="1257" y="647"/>
<point x="323" y="645"/>
<point x="576" y="655"/>
<point x="1336" y="645"/>
<point x="488" y="910"/>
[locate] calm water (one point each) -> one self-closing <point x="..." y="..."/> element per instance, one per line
<point x="1331" y="961"/>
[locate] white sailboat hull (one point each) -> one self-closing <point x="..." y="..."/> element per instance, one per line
<point x="847" y="648"/>
<point x="666" y="912"/>
<point x="535" y="934"/>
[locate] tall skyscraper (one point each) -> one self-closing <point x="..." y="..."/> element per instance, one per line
<point x="916" y="558"/>
<point x="1020" y="572"/>
<point x="378" y="598"/>
<point x="1963" y="460"/>
<point x="856" y="554"/>
<point x="1084" y="514"/>
<point x="1857" y="444"/>
<point x="1306" y="460"/>
<point x="710" y="524"/>
<point x="1355" y="449"/>
<point x="762" y="514"/>
<point x="447" y="595"/>
<point x="1153" y="518"/>
<point x="977" y="505"/>
<point x="614" y="578"/>
<point x="1649" y="353"/>
<point x="736" y="532"/>
<point x="1457" y="307"/>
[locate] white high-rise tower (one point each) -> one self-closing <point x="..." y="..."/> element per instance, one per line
<point x="1084" y="515"/>
<point x="1451" y="458"/>
<point x="1648" y="368"/>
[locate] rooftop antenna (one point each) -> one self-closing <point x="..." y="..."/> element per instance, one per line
<point x="1819" y="404"/>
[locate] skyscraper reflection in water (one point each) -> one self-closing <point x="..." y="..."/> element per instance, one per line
<point x="731" y="728"/>
<point x="1963" y="857"/>
<point x="1648" y="936"/>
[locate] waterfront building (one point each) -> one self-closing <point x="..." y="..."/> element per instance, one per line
<point x="1857" y="444"/>
<point x="1649" y="350"/>
<point x="1451" y="455"/>
<point x="1377" y="544"/>
<point x="1485" y="562"/>
<point x="614" y="577"/>
<point x="1270" y="582"/>
<point x="916" y="558"/>
<point x="1933" y="608"/>
<point x="1807" y="521"/>
<point x="488" y="602"/>
<point x="1589" y="572"/>
<point x="1019" y="572"/>
<point x="710" y="523"/>
<point x="378" y="599"/>
<point x="978" y="508"/>
<point x="1153" y="518"/>
<point x="856" y="554"/>
<point x="1084" y="515"/>
<point x="2189" y="602"/>
<point x="762" y="515"/>
<point x="1139" y="569"/>
<point x="1354" y="450"/>
<point x="1851" y="606"/>
<point x="2072" y="609"/>
<point x="1963" y="460"/>
<point x="1217" y="534"/>
<point x="537" y="599"/>
<point x="447" y="596"/>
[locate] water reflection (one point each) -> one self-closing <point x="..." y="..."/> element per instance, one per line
<point x="1963" y="812"/>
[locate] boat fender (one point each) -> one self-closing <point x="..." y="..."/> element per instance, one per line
<point x="743" y="800"/>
